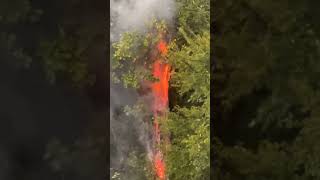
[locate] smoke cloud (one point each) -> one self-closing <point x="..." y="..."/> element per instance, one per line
<point x="128" y="15"/>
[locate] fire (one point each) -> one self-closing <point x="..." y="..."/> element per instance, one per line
<point x="161" y="71"/>
<point x="160" y="88"/>
<point x="162" y="47"/>
<point x="159" y="166"/>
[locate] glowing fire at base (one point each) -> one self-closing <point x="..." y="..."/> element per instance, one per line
<point x="161" y="71"/>
<point x="159" y="166"/>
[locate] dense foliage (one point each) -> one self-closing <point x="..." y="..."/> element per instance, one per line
<point x="131" y="63"/>
<point x="189" y="120"/>
<point x="60" y="43"/>
<point x="267" y="100"/>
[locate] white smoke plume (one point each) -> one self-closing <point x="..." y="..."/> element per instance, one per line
<point x="128" y="15"/>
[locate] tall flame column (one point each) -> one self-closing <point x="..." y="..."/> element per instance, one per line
<point x="161" y="71"/>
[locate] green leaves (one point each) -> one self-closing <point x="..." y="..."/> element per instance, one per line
<point x="189" y="123"/>
<point x="194" y="16"/>
<point x="12" y="11"/>
<point x="267" y="54"/>
<point x="130" y="55"/>
<point x="193" y="64"/>
<point x="125" y="48"/>
<point x="189" y="149"/>
<point x="65" y="56"/>
<point x="10" y="49"/>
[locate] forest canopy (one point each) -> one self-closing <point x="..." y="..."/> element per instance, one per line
<point x="266" y="90"/>
<point x="51" y="65"/>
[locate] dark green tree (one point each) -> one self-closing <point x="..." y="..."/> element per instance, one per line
<point x="266" y="65"/>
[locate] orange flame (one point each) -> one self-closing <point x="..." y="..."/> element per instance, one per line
<point x="160" y="88"/>
<point x="161" y="71"/>
<point x="162" y="47"/>
<point x="159" y="166"/>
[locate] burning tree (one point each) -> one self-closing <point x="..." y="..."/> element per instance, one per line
<point x="134" y="54"/>
<point x="140" y="62"/>
<point x="146" y="61"/>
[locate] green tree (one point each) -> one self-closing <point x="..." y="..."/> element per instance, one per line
<point x="130" y="60"/>
<point x="13" y="14"/>
<point x="36" y="38"/>
<point x="266" y="56"/>
<point x="189" y="122"/>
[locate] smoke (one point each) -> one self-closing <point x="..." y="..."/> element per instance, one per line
<point x="127" y="132"/>
<point x="129" y="15"/>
